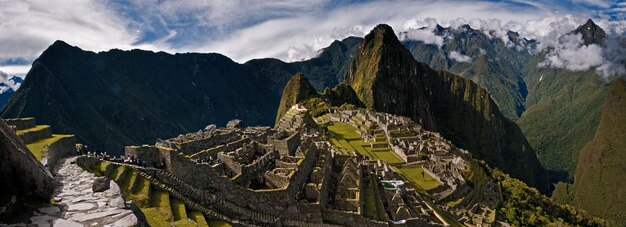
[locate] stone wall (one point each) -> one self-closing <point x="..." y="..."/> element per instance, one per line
<point x="279" y="202"/>
<point x="62" y="148"/>
<point x="190" y="147"/>
<point x="20" y="172"/>
<point x="21" y="123"/>
<point x="348" y="218"/>
<point x="286" y="146"/>
<point x="32" y="136"/>
<point x="211" y="152"/>
<point x="151" y="154"/>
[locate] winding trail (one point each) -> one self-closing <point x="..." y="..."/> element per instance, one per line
<point x="75" y="204"/>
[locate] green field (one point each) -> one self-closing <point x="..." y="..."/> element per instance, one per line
<point x="36" y="128"/>
<point x="415" y="177"/>
<point x="347" y="140"/>
<point x="373" y="204"/>
<point x="37" y="148"/>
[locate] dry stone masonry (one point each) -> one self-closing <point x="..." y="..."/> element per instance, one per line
<point x="292" y="175"/>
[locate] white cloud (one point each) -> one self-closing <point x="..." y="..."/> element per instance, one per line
<point x="572" y="54"/>
<point x="422" y="30"/>
<point x="16" y="70"/>
<point x="286" y="29"/>
<point x="454" y="55"/>
<point x="598" y="3"/>
<point x="6" y="83"/>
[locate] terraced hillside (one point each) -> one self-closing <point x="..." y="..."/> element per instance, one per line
<point x="160" y="206"/>
<point x="40" y="140"/>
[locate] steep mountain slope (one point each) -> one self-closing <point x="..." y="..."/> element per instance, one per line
<point x="563" y="111"/>
<point x="600" y="183"/>
<point x="297" y="89"/>
<point x="493" y="64"/>
<point x="117" y="98"/>
<point x="324" y="71"/>
<point x="563" y="107"/>
<point x="386" y="78"/>
<point x="557" y="109"/>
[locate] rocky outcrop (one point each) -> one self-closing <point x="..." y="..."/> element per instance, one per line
<point x="591" y="33"/>
<point x="20" y="172"/>
<point x="387" y="79"/>
<point x="297" y="89"/>
<point x="383" y="74"/>
<point x="600" y="182"/>
<point x="342" y="94"/>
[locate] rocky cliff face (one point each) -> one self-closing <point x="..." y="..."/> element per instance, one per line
<point x="387" y="78"/>
<point x="297" y="89"/>
<point x="600" y="182"/>
<point x="384" y="76"/>
<point x="591" y="33"/>
<point x="20" y="172"/>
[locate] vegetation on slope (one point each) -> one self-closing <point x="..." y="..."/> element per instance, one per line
<point x="495" y="65"/>
<point x="563" y="111"/>
<point x="297" y="89"/>
<point x="600" y="183"/>
<point x="521" y="205"/>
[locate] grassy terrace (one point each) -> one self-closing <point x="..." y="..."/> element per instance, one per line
<point x="346" y="140"/>
<point x="37" y="148"/>
<point x="159" y="208"/>
<point x="36" y="128"/>
<point x="417" y="177"/>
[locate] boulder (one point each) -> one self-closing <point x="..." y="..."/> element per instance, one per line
<point x="101" y="184"/>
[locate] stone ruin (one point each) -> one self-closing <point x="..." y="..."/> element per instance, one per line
<point x="293" y="174"/>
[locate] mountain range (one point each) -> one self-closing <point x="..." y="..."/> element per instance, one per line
<point x="485" y="94"/>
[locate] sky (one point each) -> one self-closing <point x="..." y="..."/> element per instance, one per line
<point x="289" y="30"/>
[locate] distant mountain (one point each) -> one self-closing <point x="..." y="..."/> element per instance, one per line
<point x="600" y="183"/>
<point x="297" y="89"/>
<point x="591" y="33"/>
<point x="387" y="78"/>
<point x="557" y="109"/>
<point x="492" y="63"/>
<point x="116" y="98"/>
<point x="562" y="113"/>
<point x="8" y="85"/>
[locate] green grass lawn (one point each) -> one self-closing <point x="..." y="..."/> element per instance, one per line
<point x="347" y="140"/>
<point x="36" y="128"/>
<point x="37" y="148"/>
<point x="415" y="177"/>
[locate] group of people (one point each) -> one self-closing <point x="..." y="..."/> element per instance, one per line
<point x="143" y="163"/>
<point x="81" y="149"/>
<point x="208" y="159"/>
<point x="84" y="150"/>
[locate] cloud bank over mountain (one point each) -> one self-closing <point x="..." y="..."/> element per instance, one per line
<point x="289" y="30"/>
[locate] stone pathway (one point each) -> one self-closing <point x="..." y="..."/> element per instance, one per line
<point x="78" y="205"/>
